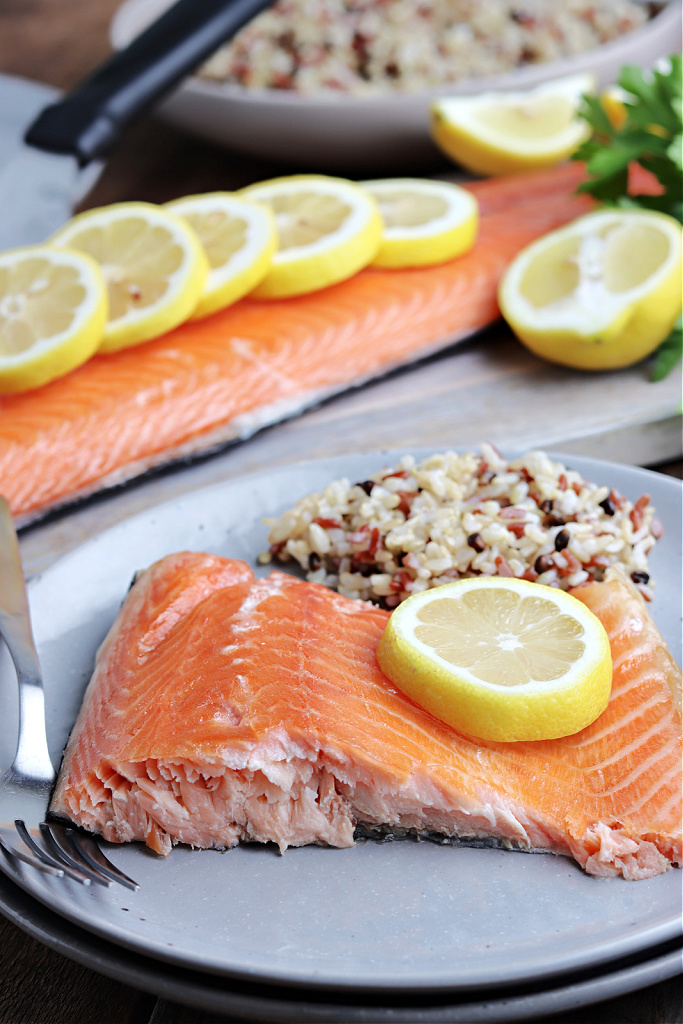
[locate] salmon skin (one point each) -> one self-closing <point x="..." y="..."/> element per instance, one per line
<point x="221" y="379"/>
<point x="225" y="708"/>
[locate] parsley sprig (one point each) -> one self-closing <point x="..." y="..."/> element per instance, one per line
<point x="651" y="135"/>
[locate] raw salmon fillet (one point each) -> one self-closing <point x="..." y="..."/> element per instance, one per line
<point x="221" y="379"/>
<point x="225" y="708"/>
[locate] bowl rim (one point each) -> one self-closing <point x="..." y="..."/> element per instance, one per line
<point x="528" y="76"/>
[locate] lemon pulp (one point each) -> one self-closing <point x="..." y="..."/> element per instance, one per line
<point x="503" y="133"/>
<point x="239" y="238"/>
<point x="500" y="659"/>
<point x="152" y="262"/>
<point x="53" y="308"/>
<point x="425" y="222"/>
<point x="328" y="229"/>
<point x="602" y="292"/>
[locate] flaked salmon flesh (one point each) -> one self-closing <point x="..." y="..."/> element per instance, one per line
<point x="225" y="708"/>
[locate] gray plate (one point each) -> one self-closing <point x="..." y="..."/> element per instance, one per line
<point x="278" y="1006"/>
<point x="377" y="917"/>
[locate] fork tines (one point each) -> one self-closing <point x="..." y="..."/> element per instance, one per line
<point x="66" y="853"/>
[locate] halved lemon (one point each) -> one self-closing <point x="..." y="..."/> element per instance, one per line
<point x="602" y="292"/>
<point x="328" y="229"/>
<point x="503" y="133"/>
<point x="425" y="222"/>
<point x="239" y="238"/>
<point x="153" y="263"/>
<point x="500" y="658"/>
<point x="53" y="308"/>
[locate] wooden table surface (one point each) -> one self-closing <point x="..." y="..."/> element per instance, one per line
<point x="58" y="44"/>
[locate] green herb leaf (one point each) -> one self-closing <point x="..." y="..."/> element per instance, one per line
<point x="675" y="152"/>
<point x="669" y="354"/>
<point x="652" y="136"/>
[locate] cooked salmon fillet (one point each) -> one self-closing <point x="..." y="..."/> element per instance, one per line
<point x="225" y="708"/>
<point x="220" y="379"/>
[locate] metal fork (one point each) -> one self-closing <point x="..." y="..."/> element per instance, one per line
<point x="25" y="787"/>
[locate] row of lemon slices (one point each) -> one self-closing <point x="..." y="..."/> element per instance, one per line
<point x="119" y="275"/>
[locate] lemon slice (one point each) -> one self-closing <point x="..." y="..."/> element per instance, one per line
<point x="53" y="308"/>
<point x="502" y="133"/>
<point x="425" y="222"/>
<point x="500" y="658"/>
<point x="153" y="263"/>
<point x="328" y="230"/>
<point x="600" y="293"/>
<point x="239" y="238"/>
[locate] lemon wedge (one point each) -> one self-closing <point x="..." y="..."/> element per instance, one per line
<point x="239" y="238"/>
<point x="503" y="133"/>
<point x="53" y="308"/>
<point x="425" y="222"/>
<point x="153" y="263"/>
<point x="500" y="658"/>
<point x="328" y="229"/>
<point x="600" y="293"/>
<point x="613" y="100"/>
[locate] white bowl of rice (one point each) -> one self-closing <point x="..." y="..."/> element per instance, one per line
<point x="345" y="85"/>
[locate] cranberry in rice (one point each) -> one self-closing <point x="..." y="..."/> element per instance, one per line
<point x="420" y="524"/>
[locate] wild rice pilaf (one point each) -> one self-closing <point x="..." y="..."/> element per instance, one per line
<point x="419" y="525"/>
<point x="366" y="46"/>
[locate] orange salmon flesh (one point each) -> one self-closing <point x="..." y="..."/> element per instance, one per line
<point x="225" y="708"/>
<point x="222" y="378"/>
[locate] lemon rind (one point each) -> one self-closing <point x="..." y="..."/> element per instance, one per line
<point x="247" y="267"/>
<point x="407" y="618"/>
<point x="622" y="332"/>
<point x="363" y="211"/>
<point x="72" y="258"/>
<point x="449" y="236"/>
<point x="461" y="114"/>
<point x="532" y="711"/>
<point x="616" y="302"/>
<point x="458" y="131"/>
<point x="61" y="353"/>
<point x="462" y="205"/>
<point x="330" y="259"/>
<point x="185" y="284"/>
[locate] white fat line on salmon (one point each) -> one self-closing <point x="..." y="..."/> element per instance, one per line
<point x="341" y="605"/>
<point x="641" y="770"/>
<point x="612" y="727"/>
<point x="247" y="349"/>
<point x="672" y="804"/>
<point x="656" y="787"/>
<point x="243" y="620"/>
<point x="243" y="426"/>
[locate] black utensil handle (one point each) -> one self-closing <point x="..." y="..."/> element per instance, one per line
<point x="89" y="121"/>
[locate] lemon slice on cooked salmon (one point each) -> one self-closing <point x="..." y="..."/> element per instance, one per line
<point x="500" y="658"/>
<point x="425" y="222"/>
<point x="239" y="238"/>
<point x="53" y="308"/>
<point x="153" y="263"/>
<point x="328" y="229"/>
<point x="503" y="133"/>
<point x="601" y="293"/>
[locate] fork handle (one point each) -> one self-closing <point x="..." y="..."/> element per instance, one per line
<point x="15" y="626"/>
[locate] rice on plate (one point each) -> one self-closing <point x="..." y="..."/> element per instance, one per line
<point x="370" y="46"/>
<point x="421" y="524"/>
